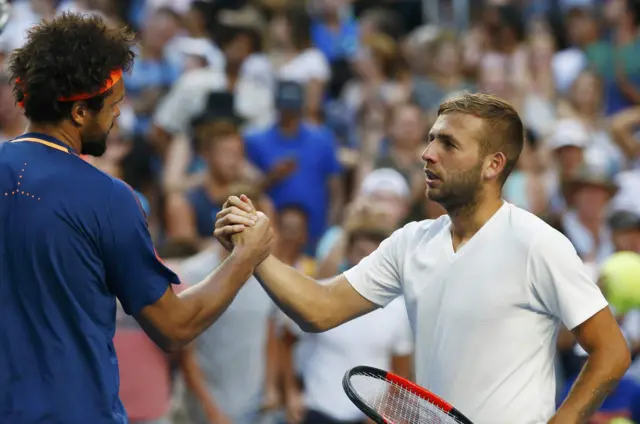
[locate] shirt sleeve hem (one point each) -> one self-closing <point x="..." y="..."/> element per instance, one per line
<point x="352" y="278"/>
<point x="589" y="311"/>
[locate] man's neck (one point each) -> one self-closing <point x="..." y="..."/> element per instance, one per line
<point x="625" y="34"/>
<point x="215" y="187"/>
<point x="289" y="127"/>
<point x="288" y="253"/>
<point x="332" y="21"/>
<point x="67" y="137"/>
<point x="467" y="220"/>
<point x="590" y="222"/>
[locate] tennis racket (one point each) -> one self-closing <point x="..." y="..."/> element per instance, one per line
<point x="387" y="398"/>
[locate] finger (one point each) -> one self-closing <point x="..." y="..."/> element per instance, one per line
<point x="248" y="201"/>
<point x="239" y="216"/>
<point x="228" y="230"/>
<point x="233" y="219"/>
<point x="235" y="201"/>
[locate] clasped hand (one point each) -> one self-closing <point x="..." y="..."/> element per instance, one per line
<point x="239" y="226"/>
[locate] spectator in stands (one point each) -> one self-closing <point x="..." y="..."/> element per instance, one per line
<point x="381" y="339"/>
<point x="625" y="227"/>
<point x="406" y="142"/>
<point x="231" y="370"/>
<point x="198" y="38"/>
<point x="296" y="59"/>
<point x="619" y="66"/>
<point x="293" y="236"/>
<point x="190" y="216"/>
<point x="446" y="77"/>
<point x="589" y="193"/>
<point x="385" y="196"/>
<point x="246" y="74"/>
<point x="152" y="73"/>
<point x="309" y="153"/>
<point x="335" y="30"/>
<point x="584" y="105"/>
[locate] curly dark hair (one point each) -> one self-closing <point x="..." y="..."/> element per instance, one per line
<point x="67" y="55"/>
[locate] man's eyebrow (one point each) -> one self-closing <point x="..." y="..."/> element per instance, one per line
<point x="444" y="137"/>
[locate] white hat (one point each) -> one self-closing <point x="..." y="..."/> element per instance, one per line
<point x="569" y="132"/>
<point x="385" y="180"/>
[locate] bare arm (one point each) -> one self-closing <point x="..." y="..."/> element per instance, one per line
<point x="608" y="360"/>
<point x="313" y="306"/>
<point x="336" y="194"/>
<point x="174" y="320"/>
<point x="402" y="365"/>
<point x="196" y="384"/>
<point x="293" y="397"/>
<point x="272" y="374"/>
<point x="622" y="125"/>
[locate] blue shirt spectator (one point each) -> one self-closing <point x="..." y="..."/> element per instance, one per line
<point x="314" y="152"/>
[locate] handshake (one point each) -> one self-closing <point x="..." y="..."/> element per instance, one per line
<point x="243" y="230"/>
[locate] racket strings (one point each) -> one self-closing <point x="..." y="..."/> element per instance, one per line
<point x="397" y="404"/>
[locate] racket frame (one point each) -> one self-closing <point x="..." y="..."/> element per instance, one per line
<point x="352" y="394"/>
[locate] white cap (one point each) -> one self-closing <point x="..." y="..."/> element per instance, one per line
<point x="386" y="180"/>
<point x="569" y="132"/>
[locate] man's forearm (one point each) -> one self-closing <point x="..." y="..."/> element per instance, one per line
<point x="300" y="297"/>
<point x="598" y="379"/>
<point x="205" y="302"/>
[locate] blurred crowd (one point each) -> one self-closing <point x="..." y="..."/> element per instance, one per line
<point x="318" y="110"/>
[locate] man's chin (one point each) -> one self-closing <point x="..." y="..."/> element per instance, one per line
<point x="94" y="149"/>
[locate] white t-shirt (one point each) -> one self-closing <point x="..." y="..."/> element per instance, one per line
<point x="307" y="66"/>
<point x="372" y="340"/>
<point x="485" y="318"/>
<point x="253" y="96"/>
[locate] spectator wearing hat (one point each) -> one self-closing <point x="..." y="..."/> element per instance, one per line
<point x="589" y="192"/>
<point x="185" y="165"/>
<point x="571" y="147"/>
<point x="306" y="154"/>
<point x="385" y="195"/>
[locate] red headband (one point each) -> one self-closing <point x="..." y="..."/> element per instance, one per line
<point x="113" y="79"/>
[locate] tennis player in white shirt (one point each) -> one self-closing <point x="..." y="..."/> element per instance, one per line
<point x="486" y="286"/>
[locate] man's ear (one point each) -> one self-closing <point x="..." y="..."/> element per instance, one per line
<point x="79" y="113"/>
<point x="494" y="165"/>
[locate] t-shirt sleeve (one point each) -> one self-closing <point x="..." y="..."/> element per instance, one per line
<point x="318" y="65"/>
<point x="178" y="107"/>
<point x="560" y="282"/>
<point x="377" y="277"/>
<point x="134" y="272"/>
